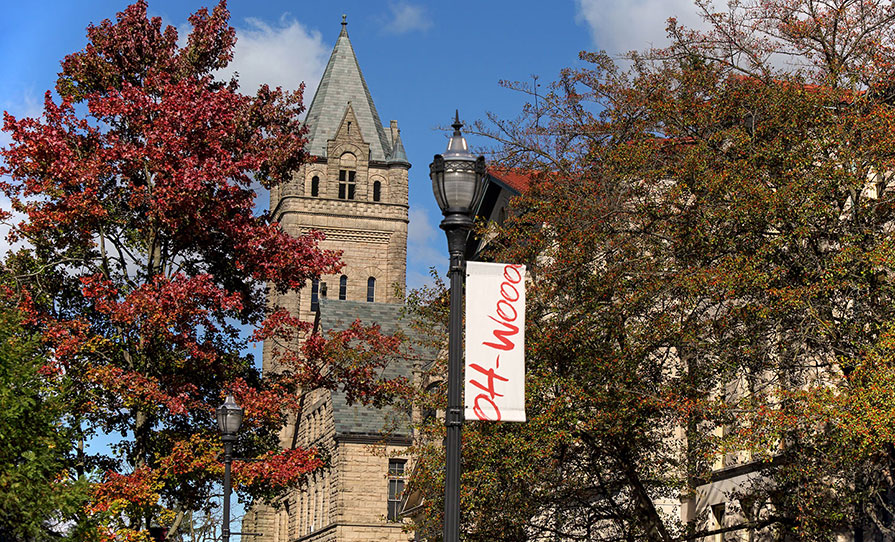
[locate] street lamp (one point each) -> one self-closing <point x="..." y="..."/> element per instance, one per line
<point x="229" y="419"/>
<point x="458" y="183"/>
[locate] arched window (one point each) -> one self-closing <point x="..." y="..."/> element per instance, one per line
<point x="347" y="166"/>
<point x="377" y="191"/>
<point x="315" y="186"/>
<point x="371" y="289"/>
<point x="315" y="290"/>
<point x="343" y="287"/>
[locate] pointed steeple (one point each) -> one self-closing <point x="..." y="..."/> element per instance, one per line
<point x="399" y="156"/>
<point x="343" y="82"/>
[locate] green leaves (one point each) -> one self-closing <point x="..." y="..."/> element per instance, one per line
<point x="37" y="493"/>
<point x="145" y="258"/>
<point x="709" y="240"/>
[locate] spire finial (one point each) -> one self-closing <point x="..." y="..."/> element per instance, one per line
<point x="457" y="124"/>
<point x="344" y="20"/>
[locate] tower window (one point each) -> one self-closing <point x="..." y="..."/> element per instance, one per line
<point x="346" y="184"/>
<point x="343" y="287"/>
<point x="315" y="186"/>
<point x="315" y="290"/>
<point x="395" y="487"/>
<point x="347" y="171"/>
<point x="377" y="191"/>
<point x="371" y="289"/>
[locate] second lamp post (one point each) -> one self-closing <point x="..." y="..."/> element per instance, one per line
<point x="458" y="182"/>
<point x="229" y="419"/>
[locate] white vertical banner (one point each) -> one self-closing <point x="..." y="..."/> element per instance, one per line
<point x="495" y="342"/>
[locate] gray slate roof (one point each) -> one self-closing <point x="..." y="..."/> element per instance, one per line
<point x="343" y="82"/>
<point x="360" y="420"/>
<point x="399" y="155"/>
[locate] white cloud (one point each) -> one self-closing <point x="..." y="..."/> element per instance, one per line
<point x="284" y="54"/>
<point x="422" y="252"/>
<point x="421" y="232"/>
<point x="5" y="245"/>
<point x="30" y="105"/>
<point x="406" y="17"/>
<point x="635" y="25"/>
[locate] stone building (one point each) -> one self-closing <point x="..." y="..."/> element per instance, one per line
<point x="354" y="189"/>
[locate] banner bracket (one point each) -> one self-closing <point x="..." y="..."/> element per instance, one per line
<point x="454" y="417"/>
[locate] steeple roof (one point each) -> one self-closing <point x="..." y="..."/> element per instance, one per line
<point x="398" y="154"/>
<point x="343" y="82"/>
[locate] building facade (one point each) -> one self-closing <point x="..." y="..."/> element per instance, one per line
<point x="353" y="189"/>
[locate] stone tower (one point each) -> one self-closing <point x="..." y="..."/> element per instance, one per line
<point x="353" y="189"/>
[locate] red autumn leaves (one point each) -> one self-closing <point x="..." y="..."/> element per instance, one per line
<point x="146" y="263"/>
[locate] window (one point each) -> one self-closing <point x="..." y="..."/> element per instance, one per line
<point x="315" y="290"/>
<point x="343" y="287"/>
<point x="377" y="191"/>
<point x="371" y="289"/>
<point x="429" y="412"/>
<point x="347" y="172"/>
<point x="395" y="487"/>
<point x="718" y="511"/>
<point x="315" y="186"/>
<point x="346" y="184"/>
<point x="323" y="290"/>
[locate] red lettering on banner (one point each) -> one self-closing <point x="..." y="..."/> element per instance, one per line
<point x="503" y="334"/>
<point x="514" y="268"/>
<point x="503" y="314"/>
<point x="480" y="413"/>
<point x="504" y="295"/>
<point x="492" y="376"/>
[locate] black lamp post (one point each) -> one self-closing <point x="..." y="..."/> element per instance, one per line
<point x="229" y="419"/>
<point x="457" y="180"/>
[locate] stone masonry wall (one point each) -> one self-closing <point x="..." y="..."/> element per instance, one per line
<point x="348" y="501"/>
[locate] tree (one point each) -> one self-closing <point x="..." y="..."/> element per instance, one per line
<point x="709" y="238"/>
<point x="35" y="499"/>
<point x="145" y="257"/>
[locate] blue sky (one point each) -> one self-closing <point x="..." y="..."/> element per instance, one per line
<point x="421" y="60"/>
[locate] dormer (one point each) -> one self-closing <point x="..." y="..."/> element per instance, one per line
<point x="348" y="137"/>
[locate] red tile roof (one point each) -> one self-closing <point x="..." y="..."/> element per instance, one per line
<point x="516" y="179"/>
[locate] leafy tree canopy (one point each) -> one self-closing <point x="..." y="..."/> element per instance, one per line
<point x="709" y="238"/>
<point x="36" y="496"/>
<point x="145" y="256"/>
